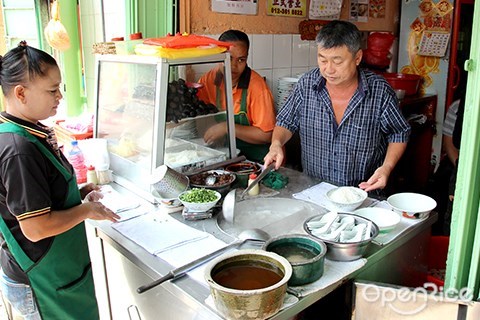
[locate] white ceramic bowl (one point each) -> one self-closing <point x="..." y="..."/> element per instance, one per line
<point x="386" y="220"/>
<point x="346" y="199"/>
<point x="412" y="205"/>
<point x="199" y="206"/>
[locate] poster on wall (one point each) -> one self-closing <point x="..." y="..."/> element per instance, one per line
<point x="287" y="8"/>
<point x="377" y="8"/>
<point x="235" y="6"/>
<point x="359" y="10"/>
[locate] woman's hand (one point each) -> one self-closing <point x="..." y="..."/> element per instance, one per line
<point x="97" y="211"/>
<point x="215" y="133"/>
<point x="86" y="189"/>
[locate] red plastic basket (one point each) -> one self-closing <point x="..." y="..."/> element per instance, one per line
<point x="64" y="136"/>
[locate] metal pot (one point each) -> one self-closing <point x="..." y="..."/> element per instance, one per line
<point x="346" y="251"/>
<point x="305" y="254"/>
<point x="257" y="303"/>
<point x="222" y="184"/>
<point x="242" y="170"/>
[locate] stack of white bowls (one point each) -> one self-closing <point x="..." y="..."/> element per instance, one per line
<point x="284" y="88"/>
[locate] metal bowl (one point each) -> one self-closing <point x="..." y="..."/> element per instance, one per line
<point x="223" y="182"/>
<point x="345" y="251"/>
<point x="305" y="254"/>
<point x="242" y="170"/>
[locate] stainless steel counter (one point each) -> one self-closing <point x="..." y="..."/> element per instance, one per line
<point x="121" y="266"/>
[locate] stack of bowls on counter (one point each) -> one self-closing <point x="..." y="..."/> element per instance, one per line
<point x="284" y="88"/>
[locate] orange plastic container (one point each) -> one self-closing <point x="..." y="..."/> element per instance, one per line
<point x="437" y="257"/>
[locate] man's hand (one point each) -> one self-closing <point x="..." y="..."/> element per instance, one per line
<point x="377" y="181"/>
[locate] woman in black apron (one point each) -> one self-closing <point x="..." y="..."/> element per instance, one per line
<point x="45" y="252"/>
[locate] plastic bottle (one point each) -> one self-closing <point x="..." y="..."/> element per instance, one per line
<point x="256" y="189"/>
<point x="92" y="175"/>
<point x="76" y="159"/>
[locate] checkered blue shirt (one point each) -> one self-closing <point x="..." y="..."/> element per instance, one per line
<point x="348" y="153"/>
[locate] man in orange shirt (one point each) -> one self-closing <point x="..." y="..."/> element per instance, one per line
<point x="253" y="102"/>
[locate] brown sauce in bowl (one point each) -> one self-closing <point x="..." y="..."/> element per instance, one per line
<point x="246" y="277"/>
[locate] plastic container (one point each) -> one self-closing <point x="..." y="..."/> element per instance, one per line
<point x="408" y="82"/>
<point x="256" y="188"/>
<point x="437" y="259"/>
<point x="92" y="175"/>
<point x="77" y="160"/>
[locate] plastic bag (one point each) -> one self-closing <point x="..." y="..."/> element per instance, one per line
<point x="185" y="40"/>
<point x="55" y="33"/>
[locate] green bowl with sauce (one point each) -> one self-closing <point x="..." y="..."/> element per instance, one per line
<point x="304" y="253"/>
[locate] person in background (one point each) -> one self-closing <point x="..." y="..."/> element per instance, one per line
<point x="253" y="102"/>
<point x="45" y="264"/>
<point x="352" y="131"/>
<point x="456" y="140"/>
<point x="441" y="179"/>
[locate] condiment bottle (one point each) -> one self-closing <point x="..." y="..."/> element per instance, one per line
<point x="256" y="188"/>
<point x="92" y="175"/>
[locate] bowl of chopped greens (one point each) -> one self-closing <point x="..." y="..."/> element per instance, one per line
<point x="199" y="199"/>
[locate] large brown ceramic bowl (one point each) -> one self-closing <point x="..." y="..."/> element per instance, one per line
<point x="248" y="284"/>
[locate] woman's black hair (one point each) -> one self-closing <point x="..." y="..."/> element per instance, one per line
<point x="340" y="33"/>
<point x="23" y="64"/>
<point x="235" y="35"/>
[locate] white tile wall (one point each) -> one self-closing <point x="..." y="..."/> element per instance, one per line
<point x="276" y="55"/>
<point x="261" y="50"/>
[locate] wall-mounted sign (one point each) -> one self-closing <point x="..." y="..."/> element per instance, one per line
<point x="235" y="6"/>
<point x="288" y="8"/>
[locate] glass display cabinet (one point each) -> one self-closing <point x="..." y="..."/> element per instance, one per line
<point x="149" y="113"/>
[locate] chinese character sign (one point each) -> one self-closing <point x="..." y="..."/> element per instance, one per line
<point x="289" y="8"/>
<point x="235" y="6"/>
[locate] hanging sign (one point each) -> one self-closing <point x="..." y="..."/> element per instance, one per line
<point x="287" y="8"/>
<point x="238" y="6"/>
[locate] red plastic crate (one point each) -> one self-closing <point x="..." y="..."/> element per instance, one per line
<point x="64" y="136"/>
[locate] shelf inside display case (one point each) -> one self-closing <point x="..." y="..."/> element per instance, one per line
<point x="150" y="116"/>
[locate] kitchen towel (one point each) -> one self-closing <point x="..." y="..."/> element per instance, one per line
<point x="156" y="232"/>
<point x="191" y="251"/>
<point x="334" y="272"/>
<point x="404" y="225"/>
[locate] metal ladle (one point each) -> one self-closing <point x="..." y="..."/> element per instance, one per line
<point x="244" y="236"/>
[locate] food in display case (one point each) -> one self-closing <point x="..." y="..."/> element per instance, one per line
<point x="150" y="115"/>
<point x="186" y="156"/>
<point x="182" y="102"/>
